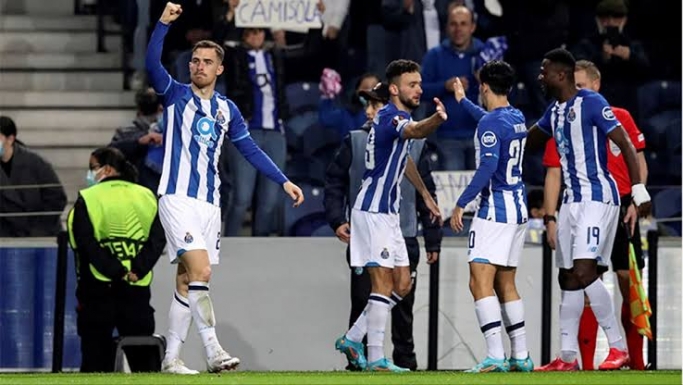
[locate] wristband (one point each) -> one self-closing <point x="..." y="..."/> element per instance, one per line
<point x="639" y="194"/>
<point x="549" y="218"/>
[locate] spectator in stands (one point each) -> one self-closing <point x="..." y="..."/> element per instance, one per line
<point x="342" y="183"/>
<point x="622" y="60"/>
<point x="254" y="73"/>
<point x="224" y="30"/>
<point x="115" y="231"/>
<point x="141" y="141"/>
<point x="413" y="27"/>
<point x="343" y="116"/>
<point x="535" y="226"/>
<point x="39" y="189"/>
<point x="454" y="58"/>
<point x="195" y="25"/>
<point x="533" y="27"/>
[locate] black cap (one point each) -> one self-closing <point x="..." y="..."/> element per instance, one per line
<point x="379" y="93"/>
<point x="617" y="8"/>
<point x="7" y="126"/>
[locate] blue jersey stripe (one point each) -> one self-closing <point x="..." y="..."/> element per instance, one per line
<point x="193" y="186"/>
<point x="573" y="178"/>
<point x="501" y="214"/>
<point x="175" y="149"/>
<point x="518" y="206"/>
<point x="591" y="161"/>
<point x="211" y="153"/>
<point x="393" y="165"/>
<point x="484" y="208"/>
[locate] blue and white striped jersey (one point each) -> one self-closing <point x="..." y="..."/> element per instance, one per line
<point x="385" y="159"/>
<point x="194" y="131"/>
<point x="580" y="127"/>
<point x="262" y="75"/>
<point x="499" y="144"/>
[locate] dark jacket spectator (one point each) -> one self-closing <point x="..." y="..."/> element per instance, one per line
<point x="22" y="167"/>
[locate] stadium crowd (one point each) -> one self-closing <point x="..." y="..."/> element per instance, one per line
<point x="301" y="96"/>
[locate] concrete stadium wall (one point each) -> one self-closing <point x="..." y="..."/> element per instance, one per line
<point x="281" y="302"/>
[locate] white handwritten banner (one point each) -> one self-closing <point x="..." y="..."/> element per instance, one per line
<point x="290" y="15"/>
<point x="449" y="186"/>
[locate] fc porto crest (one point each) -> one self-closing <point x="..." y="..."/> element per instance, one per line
<point x="188" y="238"/>
<point x="571" y="115"/>
<point x="385" y="253"/>
<point x="220" y="119"/>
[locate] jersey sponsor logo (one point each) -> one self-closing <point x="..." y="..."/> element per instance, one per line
<point x="608" y="114"/>
<point x="488" y="139"/>
<point x="561" y="141"/>
<point x="207" y="132"/>
<point x="571" y="115"/>
<point x="616" y="151"/>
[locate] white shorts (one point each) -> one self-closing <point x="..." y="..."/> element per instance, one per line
<point x="377" y="240"/>
<point x="496" y="243"/>
<point x="585" y="230"/>
<point x="190" y="224"/>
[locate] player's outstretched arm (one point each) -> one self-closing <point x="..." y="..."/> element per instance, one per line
<point x="159" y="78"/>
<point x="474" y="110"/>
<point x="638" y="191"/>
<point x="421" y="129"/>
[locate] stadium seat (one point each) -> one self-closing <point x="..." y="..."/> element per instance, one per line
<point x="654" y="127"/>
<point x="308" y="225"/>
<point x="667" y="204"/>
<point x="657" y="96"/>
<point x="317" y="138"/>
<point x="297" y="169"/>
<point x="155" y="340"/>
<point x="312" y="206"/>
<point x="298" y="124"/>
<point x="302" y="97"/>
<point x="672" y="133"/>
<point x="323" y="231"/>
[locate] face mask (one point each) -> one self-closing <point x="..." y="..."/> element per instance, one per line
<point x="91" y="177"/>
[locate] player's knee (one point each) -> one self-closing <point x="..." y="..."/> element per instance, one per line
<point x="202" y="274"/>
<point x="585" y="275"/>
<point x="403" y="287"/>
<point x="567" y="280"/>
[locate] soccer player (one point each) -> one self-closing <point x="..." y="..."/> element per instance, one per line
<point x="197" y="121"/>
<point x="581" y="121"/>
<point x="587" y="76"/>
<point x="377" y="243"/>
<point x="496" y="236"/>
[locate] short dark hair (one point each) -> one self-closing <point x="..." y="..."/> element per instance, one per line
<point x="113" y="157"/>
<point x="399" y="67"/>
<point x="220" y="52"/>
<point x="563" y="58"/>
<point x="147" y="101"/>
<point x="7" y="126"/>
<point x="499" y="76"/>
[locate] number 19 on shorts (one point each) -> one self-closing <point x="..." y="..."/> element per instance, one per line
<point x="593" y="235"/>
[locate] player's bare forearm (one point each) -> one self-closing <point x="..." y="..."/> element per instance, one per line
<point x="551" y="189"/>
<point x="619" y="137"/>
<point x="422" y="129"/>
<point x="643" y="167"/>
<point x="535" y="138"/>
<point x="414" y="177"/>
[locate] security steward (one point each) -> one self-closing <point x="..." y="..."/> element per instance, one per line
<point x="342" y="183"/>
<point x="117" y="238"/>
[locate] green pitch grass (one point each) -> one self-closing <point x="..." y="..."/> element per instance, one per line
<point x="302" y="378"/>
